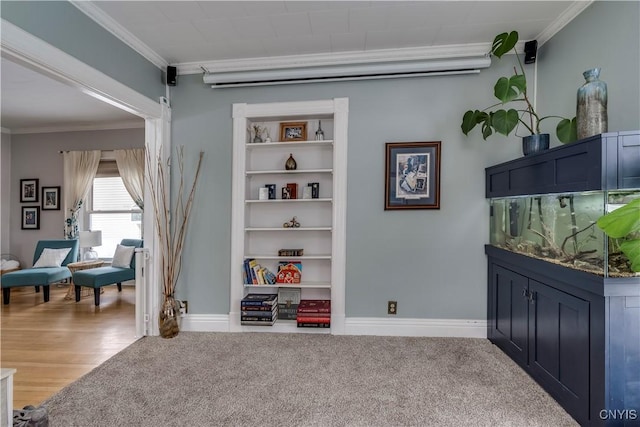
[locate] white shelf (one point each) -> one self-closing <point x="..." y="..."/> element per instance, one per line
<point x="275" y="286"/>
<point x="256" y="225"/>
<point x="284" y="258"/>
<point x="261" y="145"/>
<point x="326" y="199"/>
<point x="288" y="172"/>
<point x="287" y="229"/>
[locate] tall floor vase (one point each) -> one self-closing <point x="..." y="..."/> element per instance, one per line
<point x="168" y="319"/>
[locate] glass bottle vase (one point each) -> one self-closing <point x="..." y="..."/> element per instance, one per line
<point x="168" y="318"/>
<point x="591" y="109"/>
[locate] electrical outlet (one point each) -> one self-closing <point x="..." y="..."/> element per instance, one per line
<point x="184" y="308"/>
<point x="392" y="307"/>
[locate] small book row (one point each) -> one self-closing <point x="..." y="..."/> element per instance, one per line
<point x="265" y="309"/>
<point x="289" y="272"/>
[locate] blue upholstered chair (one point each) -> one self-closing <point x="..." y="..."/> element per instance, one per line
<point x="43" y="276"/>
<point x="102" y="276"/>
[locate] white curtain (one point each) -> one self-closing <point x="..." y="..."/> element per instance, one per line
<point x="131" y="167"/>
<point x="79" y="170"/>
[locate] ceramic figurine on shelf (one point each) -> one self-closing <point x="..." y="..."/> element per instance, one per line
<point x="319" y="132"/>
<point x="290" y="164"/>
<point x="257" y="131"/>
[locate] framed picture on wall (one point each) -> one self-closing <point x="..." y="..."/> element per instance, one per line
<point x="31" y="217"/>
<point x="28" y="190"/>
<point x="412" y="175"/>
<point x="293" y="131"/>
<point x="51" y="198"/>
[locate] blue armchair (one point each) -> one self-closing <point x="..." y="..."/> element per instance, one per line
<point x="43" y="276"/>
<point x="102" y="276"/>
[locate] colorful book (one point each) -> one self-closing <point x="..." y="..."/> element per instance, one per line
<point x="314" y="306"/>
<point x="259" y="313"/>
<point x="321" y="315"/>
<point x="314" y="319"/>
<point x="288" y="300"/>
<point x="258" y="323"/>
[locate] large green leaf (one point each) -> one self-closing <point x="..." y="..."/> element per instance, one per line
<point x="567" y="130"/>
<point x="508" y="89"/>
<point x="504" y="121"/>
<point x="622" y="221"/>
<point x="471" y="118"/>
<point x="503" y="43"/>
<point x="631" y="249"/>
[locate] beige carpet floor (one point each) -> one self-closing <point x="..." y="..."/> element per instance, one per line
<point x="267" y="379"/>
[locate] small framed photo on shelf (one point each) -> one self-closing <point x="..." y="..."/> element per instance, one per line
<point x="31" y="217"/>
<point x="293" y="131"/>
<point x="51" y="198"/>
<point x="28" y="190"/>
<point x="412" y="175"/>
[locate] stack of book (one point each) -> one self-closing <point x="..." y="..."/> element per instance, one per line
<point x="259" y="309"/>
<point x="314" y="313"/>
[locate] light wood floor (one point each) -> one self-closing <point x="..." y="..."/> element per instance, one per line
<point x="53" y="344"/>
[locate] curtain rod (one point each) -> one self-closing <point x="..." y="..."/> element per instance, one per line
<point x="68" y="151"/>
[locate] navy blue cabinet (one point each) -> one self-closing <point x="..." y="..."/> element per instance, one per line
<point x="576" y="332"/>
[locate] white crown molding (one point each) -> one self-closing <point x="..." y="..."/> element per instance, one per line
<point x="565" y="17"/>
<point x="26" y="49"/>
<point x="80" y="128"/>
<point x="339" y="58"/>
<point x="111" y="25"/>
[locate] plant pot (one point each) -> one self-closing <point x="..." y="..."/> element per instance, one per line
<point x="533" y="144"/>
<point x="168" y="319"/>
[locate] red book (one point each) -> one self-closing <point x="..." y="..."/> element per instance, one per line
<point x="314" y="306"/>
<point x="313" y="319"/>
<point x="323" y="315"/>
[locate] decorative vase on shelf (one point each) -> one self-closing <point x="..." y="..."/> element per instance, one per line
<point x="591" y="109"/>
<point x="168" y="319"/>
<point x="290" y="164"/>
<point x="319" y="132"/>
<point x="257" y="139"/>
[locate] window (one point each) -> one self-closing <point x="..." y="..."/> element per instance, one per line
<point x="112" y="210"/>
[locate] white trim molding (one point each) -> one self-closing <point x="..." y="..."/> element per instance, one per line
<point x="563" y="19"/>
<point x="205" y="323"/>
<point x="26" y="49"/>
<point x="111" y="25"/>
<point x="338" y="58"/>
<point x="80" y="128"/>
<point x="450" y="328"/>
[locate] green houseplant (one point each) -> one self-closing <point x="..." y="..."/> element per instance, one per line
<point x="509" y="90"/>
<point x="624" y="224"/>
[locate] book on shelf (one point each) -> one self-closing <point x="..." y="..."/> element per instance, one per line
<point x="259" y="300"/>
<point x="255" y="274"/>
<point x="321" y="315"/>
<point x="257" y="319"/>
<point x="288" y="300"/>
<point x="313" y="319"/>
<point x="245" y="307"/>
<point x="313" y="325"/>
<point x="267" y="314"/>
<point x="258" y="322"/>
<point x="314" y="306"/>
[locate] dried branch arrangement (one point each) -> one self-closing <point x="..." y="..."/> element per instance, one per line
<point x="171" y="226"/>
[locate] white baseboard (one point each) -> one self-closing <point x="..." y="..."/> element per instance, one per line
<point x="205" y="323"/>
<point x="452" y="328"/>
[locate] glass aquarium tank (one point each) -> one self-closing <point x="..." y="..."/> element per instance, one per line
<point x="561" y="228"/>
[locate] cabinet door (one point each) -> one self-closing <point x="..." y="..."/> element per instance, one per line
<point x="559" y="346"/>
<point x="509" y="315"/>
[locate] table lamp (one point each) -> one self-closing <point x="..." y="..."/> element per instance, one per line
<point x="88" y="240"/>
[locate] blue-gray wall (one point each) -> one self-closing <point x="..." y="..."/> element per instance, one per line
<point x="62" y="25"/>
<point x="431" y="262"/>
<point x="605" y="35"/>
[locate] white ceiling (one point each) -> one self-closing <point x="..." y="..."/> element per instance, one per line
<point x="184" y="33"/>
